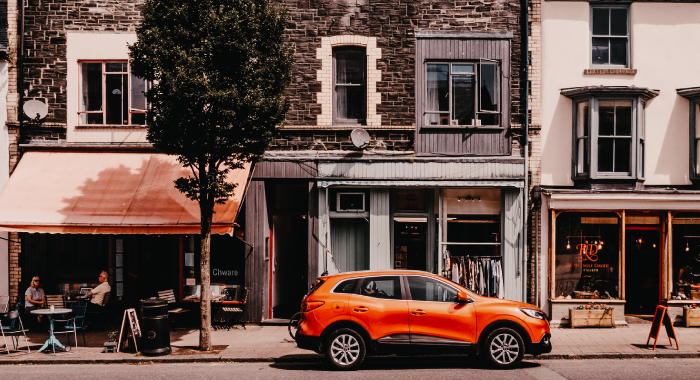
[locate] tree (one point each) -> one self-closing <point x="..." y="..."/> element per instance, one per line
<point x="218" y="70"/>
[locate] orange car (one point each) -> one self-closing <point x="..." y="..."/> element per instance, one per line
<point x="349" y="315"/>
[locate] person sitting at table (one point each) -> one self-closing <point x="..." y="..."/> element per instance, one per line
<point x="98" y="294"/>
<point x="35" y="297"/>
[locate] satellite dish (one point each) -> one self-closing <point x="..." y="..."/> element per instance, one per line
<point x="35" y="109"/>
<point x="360" y="138"/>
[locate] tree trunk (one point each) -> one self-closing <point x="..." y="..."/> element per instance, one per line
<point x="206" y="212"/>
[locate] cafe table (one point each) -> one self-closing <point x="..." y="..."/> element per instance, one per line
<point x="52" y="338"/>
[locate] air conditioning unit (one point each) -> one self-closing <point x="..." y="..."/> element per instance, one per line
<point x="350" y="202"/>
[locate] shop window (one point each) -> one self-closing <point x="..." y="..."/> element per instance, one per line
<point x="462" y="94"/>
<point x="587" y="256"/>
<point x="349" y="85"/>
<point x="610" y="36"/>
<point x="110" y="95"/>
<point x="608" y="132"/>
<point x="686" y="257"/>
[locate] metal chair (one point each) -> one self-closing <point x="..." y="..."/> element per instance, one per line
<point x="65" y="324"/>
<point x="232" y="311"/>
<point x="14" y="329"/>
<point x="4" y="304"/>
<point x="79" y="312"/>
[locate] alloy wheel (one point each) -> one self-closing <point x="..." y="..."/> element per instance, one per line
<point x="504" y="348"/>
<point x="345" y="349"/>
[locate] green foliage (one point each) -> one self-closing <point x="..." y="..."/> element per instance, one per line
<point x="218" y="70"/>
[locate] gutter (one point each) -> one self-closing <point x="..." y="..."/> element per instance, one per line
<point x="526" y="142"/>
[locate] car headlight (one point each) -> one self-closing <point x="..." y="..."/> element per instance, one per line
<point x="534" y="313"/>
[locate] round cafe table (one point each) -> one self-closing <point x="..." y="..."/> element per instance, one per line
<point x="52" y="341"/>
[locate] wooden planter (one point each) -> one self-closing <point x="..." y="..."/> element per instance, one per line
<point x="691" y="317"/>
<point x="592" y="318"/>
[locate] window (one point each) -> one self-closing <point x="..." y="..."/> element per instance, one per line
<point x="608" y="131"/>
<point x="109" y="95"/>
<point x="693" y="95"/>
<point x="349" y="86"/>
<point x="460" y="94"/>
<point x="610" y="36"/>
<point x="430" y="289"/>
<point x="382" y="287"/>
<point x="347" y="286"/>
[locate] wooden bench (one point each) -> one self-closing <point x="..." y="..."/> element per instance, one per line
<point x="169" y="297"/>
<point x="55" y="301"/>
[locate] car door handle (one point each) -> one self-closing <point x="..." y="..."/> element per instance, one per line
<point x="418" y="312"/>
<point x="360" y="309"/>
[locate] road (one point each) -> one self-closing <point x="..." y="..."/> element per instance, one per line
<point x="391" y="368"/>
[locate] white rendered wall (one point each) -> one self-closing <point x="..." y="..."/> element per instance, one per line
<point x="95" y="46"/>
<point x="664" y="50"/>
<point x="4" y="176"/>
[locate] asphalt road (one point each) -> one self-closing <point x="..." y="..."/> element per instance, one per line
<point x="392" y="368"/>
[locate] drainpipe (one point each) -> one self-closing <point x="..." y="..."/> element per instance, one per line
<point x="526" y="193"/>
<point x="20" y="62"/>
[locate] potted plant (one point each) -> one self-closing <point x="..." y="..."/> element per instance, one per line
<point x="111" y="344"/>
<point x="593" y="315"/>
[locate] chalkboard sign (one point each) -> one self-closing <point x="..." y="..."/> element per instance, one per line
<point x="133" y="324"/>
<point x="661" y="316"/>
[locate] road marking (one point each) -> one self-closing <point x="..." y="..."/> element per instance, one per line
<point x="543" y="373"/>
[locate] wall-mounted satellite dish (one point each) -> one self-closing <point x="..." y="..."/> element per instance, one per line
<point x="35" y="109"/>
<point x="360" y="138"/>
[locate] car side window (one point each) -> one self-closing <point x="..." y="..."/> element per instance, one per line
<point x="429" y="289"/>
<point x="388" y="287"/>
<point x="347" y="286"/>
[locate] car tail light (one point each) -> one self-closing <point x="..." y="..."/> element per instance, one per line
<point x="310" y="305"/>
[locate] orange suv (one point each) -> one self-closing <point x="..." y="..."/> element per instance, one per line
<point x="350" y="315"/>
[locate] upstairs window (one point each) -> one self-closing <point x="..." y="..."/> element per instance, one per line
<point x="608" y="131"/>
<point x="110" y="95"/>
<point x="610" y="36"/>
<point x="349" y="86"/>
<point x="693" y="95"/>
<point x="461" y="94"/>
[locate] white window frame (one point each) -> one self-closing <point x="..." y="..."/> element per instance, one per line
<point x="131" y="111"/>
<point x="628" y="37"/>
<point x="477" y="94"/>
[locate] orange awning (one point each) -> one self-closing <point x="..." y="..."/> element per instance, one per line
<point x="107" y="193"/>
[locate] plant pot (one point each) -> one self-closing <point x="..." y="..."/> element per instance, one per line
<point x="592" y="318"/>
<point x="110" y="347"/>
<point x="691" y="317"/>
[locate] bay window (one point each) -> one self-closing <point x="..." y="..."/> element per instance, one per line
<point x="608" y="132"/>
<point x="110" y="95"/>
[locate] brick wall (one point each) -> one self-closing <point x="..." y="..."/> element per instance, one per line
<point x="46" y="23"/>
<point x="14" y="248"/>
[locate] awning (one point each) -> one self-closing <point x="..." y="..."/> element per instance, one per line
<point x="423" y="183"/>
<point x="625" y="201"/>
<point x="107" y="193"/>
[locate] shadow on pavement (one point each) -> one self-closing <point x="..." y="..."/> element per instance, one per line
<point x="384" y="363"/>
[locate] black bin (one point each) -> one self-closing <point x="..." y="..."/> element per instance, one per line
<point x="155" y="330"/>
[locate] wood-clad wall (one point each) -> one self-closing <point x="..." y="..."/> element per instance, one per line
<point x="380" y="252"/>
<point x="257" y="229"/>
<point x="471" y="141"/>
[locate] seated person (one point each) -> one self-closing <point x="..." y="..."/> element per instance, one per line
<point x="97" y="295"/>
<point x="35" y="297"/>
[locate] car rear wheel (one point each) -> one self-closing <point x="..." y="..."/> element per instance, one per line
<point x="345" y="349"/>
<point x="504" y="348"/>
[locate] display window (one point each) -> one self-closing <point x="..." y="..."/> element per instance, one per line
<point x="685" y="261"/>
<point x="587" y="259"/>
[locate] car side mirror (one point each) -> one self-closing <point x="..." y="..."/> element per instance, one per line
<point x="463" y="298"/>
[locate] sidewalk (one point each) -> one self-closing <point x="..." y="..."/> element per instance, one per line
<point x="272" y="344"/>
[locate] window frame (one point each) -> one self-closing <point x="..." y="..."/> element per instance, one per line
<point x="130" y="110"/>
<point x="477" y="74"/>
<point x="636" y="164"/>
<point x="694" y="111"/>
<point x="628" y="36"/>
<point x="336" y="120"/>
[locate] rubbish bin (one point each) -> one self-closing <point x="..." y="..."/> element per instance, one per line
<point x="155" y="331"/>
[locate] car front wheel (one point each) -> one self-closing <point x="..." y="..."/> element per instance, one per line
<point x="504" y="348"/>
<point x="345" y="349"/>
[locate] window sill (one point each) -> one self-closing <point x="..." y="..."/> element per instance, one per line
<point x="588" y="300"/>
<point x="463" y="127"/>
<point x="111" y="126"/>
<point x="610" y="72"/>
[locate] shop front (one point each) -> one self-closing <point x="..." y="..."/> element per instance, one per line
<point x="78" y="213"/>
<point x="629" y="251"/>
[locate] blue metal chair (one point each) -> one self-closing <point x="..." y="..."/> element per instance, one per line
<point x="13" y="329"/>
<point x="78" y="324"/>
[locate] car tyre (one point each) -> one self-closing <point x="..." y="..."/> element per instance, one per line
<point x="345" y="349"/>
<point x="503" y="348"/>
